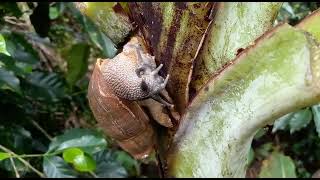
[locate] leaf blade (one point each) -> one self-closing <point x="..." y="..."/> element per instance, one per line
<point x="278" y="165"/>
<point x="316" y="117"/>
<point x="88" y="140"/>
<point x="55" y="167"/>
<point x="77" y="62"/>
<point x="4" y="156"/>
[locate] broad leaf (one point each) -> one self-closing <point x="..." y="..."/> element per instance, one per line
<point x="278" y="166"/>
<point x="300" y="120"/>
<point x="98" y="38"/>
<point x="55" y="167"/>
<point x="250" y="157"/>
<point x="9" y="81"/>
<point x="19" y="68"/>
<point x="20" y="49"/>
<point x="282" y="123"/>
<point x="4" y="156"/>
<point x="84" y="163"/>
<point x="130" y="164"/>
<point x="107" y="166"/>
<point x="71" y="153"/>
<point x="56" y="10"/>
<point x="77" y="60"/>
<point x="316" y="117"/>
<point x="3" y="48"/>
<point x="88" y="140"/>
<point x="19" y="140"/>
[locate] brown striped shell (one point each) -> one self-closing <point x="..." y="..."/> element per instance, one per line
<point x="121" y="119"/>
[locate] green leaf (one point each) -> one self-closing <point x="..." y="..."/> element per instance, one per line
<point x="6" y="164"/>
<point x="77" y="60"/>
<point x="88" y="140"/>
<point x="16" y="138"/>
<point x="250" y="156"/>
<point x="130" y="164"/>
<point x="278" y="166"/>
<point x="44" y="86"/>
<point x="20" y="49"/>
<point x="260" y="133"/>
<point x="99" y="39"/>
<point x="53" y="13"/>
<point x="294" y="121"/>
<point x="300" y="120"/>
<point x="3" y="48"/>
<point x="316" y="117"/>
<point x="19" y="68"/>
<point x="9" y="81"/>
<point x="282" y="123"/>
<point x="84" y="163"/>
<point x="4" y="156"/>
<point x="107" y="166"/>
<point x="71" y="153"/>
<point x="55" y="167"/>
<point x="9" y="9"/>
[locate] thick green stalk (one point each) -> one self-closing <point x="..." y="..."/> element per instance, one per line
<point x="277" y="75"/>
<point x="236" y="25"/>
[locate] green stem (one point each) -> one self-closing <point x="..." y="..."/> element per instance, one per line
<point x="278" y="75"/>
<point x="93" y="174"/>
<point x="36" y="155"/>
<point x="29" y="155"/>
<point x="23" y="161"/>
<point x="14" y="168"/>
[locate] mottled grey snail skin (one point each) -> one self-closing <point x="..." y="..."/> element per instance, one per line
<point x="135" y="78"/>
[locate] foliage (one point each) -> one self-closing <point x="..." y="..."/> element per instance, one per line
<point x="43" y="84"/>
<point x="277" y="165"/>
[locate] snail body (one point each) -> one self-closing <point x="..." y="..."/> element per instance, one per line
<point x="134" y="78"/>
<point x="114" y="89"/>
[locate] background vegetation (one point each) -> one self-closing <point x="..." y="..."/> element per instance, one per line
<point x="47" y="129"/>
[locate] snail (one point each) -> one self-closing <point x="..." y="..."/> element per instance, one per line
<point x="135" y="78"/>
<point x="115" y="89"/>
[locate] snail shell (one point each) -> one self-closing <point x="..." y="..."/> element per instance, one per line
<point x="121" y="119"/>
<point x="115" y="87"/>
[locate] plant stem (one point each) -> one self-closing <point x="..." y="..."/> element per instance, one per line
<point x="41" y="129"/>
<point x="14" y="167"/>
<point x="93" y="174"/>
<point x="23" y="161"/>
<point x="30" y="155"/>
